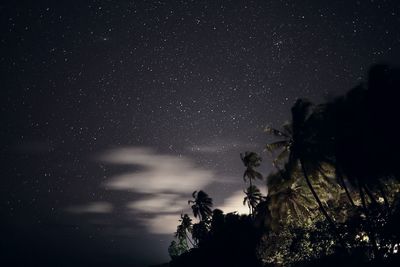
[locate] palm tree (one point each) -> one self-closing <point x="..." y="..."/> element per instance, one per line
<point x="252" y="198"/>
<point x="202" y="205"/>
<point x="251" y="160"/>
<point x="299" y="148"/>
<point x="184" y="227"/>
<point x="290" y="201"/>
<point x="341" y="134"/>
<point x="180" y="234"/>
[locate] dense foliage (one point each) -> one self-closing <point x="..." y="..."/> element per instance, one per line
<point x="334" y="198"/>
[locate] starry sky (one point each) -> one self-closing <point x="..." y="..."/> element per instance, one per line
<point x="114" y="112"/>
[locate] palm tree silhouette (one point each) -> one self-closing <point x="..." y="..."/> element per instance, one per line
<point x="252" y="198"/>
<point x="217" y="221"/>
<point x="251" y="160"/>
<point x="184" y="227"/>
<point x="299" y="148"/>
<point x="202" y="205"/>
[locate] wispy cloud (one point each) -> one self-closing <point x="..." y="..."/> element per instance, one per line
<point x="157" y="173"/>
<point x="165" y="180"/>
<point x="164" y="183"/>
<point x="162" y="224"/>
<point x="158" y="203"/>
<point x="92" y="207"/>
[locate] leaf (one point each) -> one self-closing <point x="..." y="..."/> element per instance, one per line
<point x="288" y="128"/>
<point x="282" y="156"/>
<point x="252" y="174"/>
<point x="277" y="145"/>
<point x="275" y="132"/>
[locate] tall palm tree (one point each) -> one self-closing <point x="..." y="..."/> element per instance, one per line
<point x="180" y="234"/>
<point x="341" y="134"/>
<point x="252" y="198"/>
<point x="184" y="227"/>
<point x="251" y="160"/>
<point x="299" y="147"/>
<point x="202" y="205"/>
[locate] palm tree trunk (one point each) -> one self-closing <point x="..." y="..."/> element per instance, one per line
<point x="362" y="197"/>
<point x="321" y="207"/>
<point x="187" y="237"/>
<point x="369" y="193"/>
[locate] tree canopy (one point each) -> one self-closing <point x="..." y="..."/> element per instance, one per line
<point x="334" y="198"/>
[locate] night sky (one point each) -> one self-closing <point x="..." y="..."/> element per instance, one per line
<point x="114" y="112"/>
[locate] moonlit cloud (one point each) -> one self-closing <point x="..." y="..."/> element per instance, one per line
<point x="92" y="207"/>
<point x="159" y="203"/>
<point x="235" y="203"/>
<point x="165" y="180"/>
<point x="162" y="224"/>
<point x="164" y="183"/>
<point x="157" y="173"/>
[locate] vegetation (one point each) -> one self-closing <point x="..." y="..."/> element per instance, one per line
<point x="334" y="198"/>
<point x="252" y="198"/>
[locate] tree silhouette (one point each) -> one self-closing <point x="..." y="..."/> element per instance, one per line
<point x="202" y="205"/>
<point x="217" y="221"/>
<point x="330" y="158"/>
<point x="200" y="232"/>
<point x="298" y="146"/>
<point x="252" y="198"/>
<point x="184" y="227"/>
<point x="251" y="160"/>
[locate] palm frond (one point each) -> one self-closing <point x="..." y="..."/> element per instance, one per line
<point x="287" y="127"/>
<point x="282" y="157"/>
<point x="277" y="145"/>
<point x="252" y="174"/>
<point x="275" y="132"/>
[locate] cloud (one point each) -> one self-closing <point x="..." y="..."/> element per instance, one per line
<point x="235" y="203"/>
<point x="158" y="173"/>
<point x="159" y="203"/>
<point x="166" y="181"/>
<point x="162" y="224"/>
<point x="92" y="207"/>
